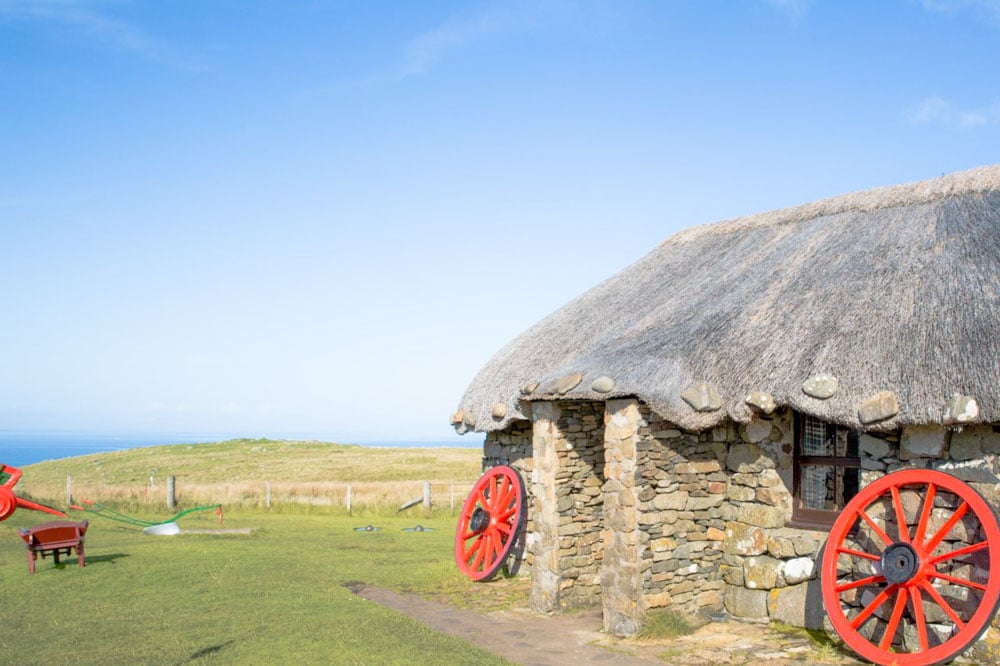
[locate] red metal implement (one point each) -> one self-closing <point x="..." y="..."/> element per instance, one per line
<point x="911" y="571"/>
<point x="490" y="523"/>
<point x="9" y="502"/>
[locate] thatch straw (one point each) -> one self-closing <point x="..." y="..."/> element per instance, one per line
<point x="894" y="289"/>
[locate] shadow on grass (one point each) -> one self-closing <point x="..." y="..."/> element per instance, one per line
<point x="206" y="651"/>
<point x="89" y="560"/>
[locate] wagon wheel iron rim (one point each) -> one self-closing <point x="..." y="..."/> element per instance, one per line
<point x="490" y="522"/>
<point x="911" y="570"/>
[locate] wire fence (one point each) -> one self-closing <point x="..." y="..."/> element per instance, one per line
<point x="267" y="494"/>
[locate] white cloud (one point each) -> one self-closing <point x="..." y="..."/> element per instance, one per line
<point x="793" y="8"/>
<point x="939" y="111"/>
<point x="498" y="20"/>
<point x="86" y="18"/>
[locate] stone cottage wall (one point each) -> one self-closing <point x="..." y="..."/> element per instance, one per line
<point x="682" y="503"/>
<point x="512" y="447"/>
<point x="769" y="568"/>
<point x="568" y="446"/>
<point x="694" y="521"/>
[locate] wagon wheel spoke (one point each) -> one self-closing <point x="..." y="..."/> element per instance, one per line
<point x="918" y="613"/>
<point x="870" y="609"/>
<point x="856" y="592"/>
<point x="901" y="528"/>
<point x="945" y="606"/>
<point x="925" y="513"/>
<point x="897" y="615"/>
<point x="858" y="553"/>
<point x="982" y="545"/>
<point x="957" y="581"/>
<point x="491" y="518"/>
<point x="864" y="582"/>
<point x="946" y="528"/>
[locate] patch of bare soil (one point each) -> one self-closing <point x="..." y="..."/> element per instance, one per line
<point x="525" y="637"/>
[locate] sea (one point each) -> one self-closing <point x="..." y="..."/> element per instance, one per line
<point x="18" y="449"/>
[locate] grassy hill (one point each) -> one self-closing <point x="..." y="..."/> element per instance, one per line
<point x="237" y="472"/>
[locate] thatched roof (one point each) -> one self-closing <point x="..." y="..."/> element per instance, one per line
<point x="894" y="289"/>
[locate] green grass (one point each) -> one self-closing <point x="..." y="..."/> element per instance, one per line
<point x="240" y="460"/>
<point x="276" y="596"/>
<point x="665" y="623"/>
<point x="237" y="473"/>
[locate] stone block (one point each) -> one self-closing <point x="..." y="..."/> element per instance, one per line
<point x="670" y="501"/>
<point x="797" y="605"/>
<point x="702" y="397"/>
<point x="657" y="600"/>
<point x="961" y="409"/>
<point x="757" y="431"/>
<point x="774" y="496"/>
<point x="746" y="604"/>
<point x="747" y="458"/>
<point x="923" y="442"/>
<point x="762" y="401"/>
<point x="873" y="447"/>
<point x="744" y="539"/>
<point x="971" y="442"/>
<point x="715" y="534"/>
<point x="761" y="515"/>
<point x="702" y="503"/>
<point x="761" y="572"/>
<point x="879" y="407"/>
<point x="731" y="574"/>
<point x="697" y="467"/>
<point x="821" y="386"/>
<point x="798" y="570"/>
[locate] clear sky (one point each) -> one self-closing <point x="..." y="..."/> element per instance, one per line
<point x="322" y="218"/>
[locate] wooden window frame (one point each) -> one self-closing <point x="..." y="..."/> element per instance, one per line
<point x="818" y="519"/>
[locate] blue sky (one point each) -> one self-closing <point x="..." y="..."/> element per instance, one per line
<point x="321" y="218"/>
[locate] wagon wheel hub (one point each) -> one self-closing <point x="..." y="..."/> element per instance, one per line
<point x="899" y="563"/>
<point x="480" y="520"/>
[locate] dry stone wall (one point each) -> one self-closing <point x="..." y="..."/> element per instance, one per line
<point x="655" y="516"/>
<point x="579" y="479"/>
<point x="513" y="447"/>
<point x="682" y="507"/>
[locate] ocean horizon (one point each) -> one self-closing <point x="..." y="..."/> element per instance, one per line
<point x="21" y="448"/>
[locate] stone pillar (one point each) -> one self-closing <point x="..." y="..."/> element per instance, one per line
<point x="620" y="573"/>
<point x="545" y="579"/>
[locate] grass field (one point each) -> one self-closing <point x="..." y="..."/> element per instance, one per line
<point x="275" y="596"/>
<point x="236" y="473"/>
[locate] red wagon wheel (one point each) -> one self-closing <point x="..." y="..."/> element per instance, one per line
<point x="490" y="523"/>
<point x="911" y="571"/>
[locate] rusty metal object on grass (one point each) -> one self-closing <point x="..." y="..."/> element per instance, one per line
<point x="9" y="502"/>
<point x="56" y="538"/>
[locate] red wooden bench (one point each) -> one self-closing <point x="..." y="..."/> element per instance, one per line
<point x="59" y="537"/>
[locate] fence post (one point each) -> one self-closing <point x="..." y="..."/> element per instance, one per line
<point x="267" y="495"/>
<point x="453" y="497"/>
<point x="171" y="494"/>
<point x="427" y="495"/>
<point x="348" y="500"/>
<point x="69" y="489"/>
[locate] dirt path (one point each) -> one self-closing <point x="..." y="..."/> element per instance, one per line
<point x="524" y="637"/>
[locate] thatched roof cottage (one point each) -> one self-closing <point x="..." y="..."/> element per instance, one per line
<point x="664" y="420"/>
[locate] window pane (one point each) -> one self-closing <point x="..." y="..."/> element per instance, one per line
<point x="814" y="439"/>
<point x="848" y="483"/>
<point x="847" y="443"/>
<point x="817" y="487"/>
